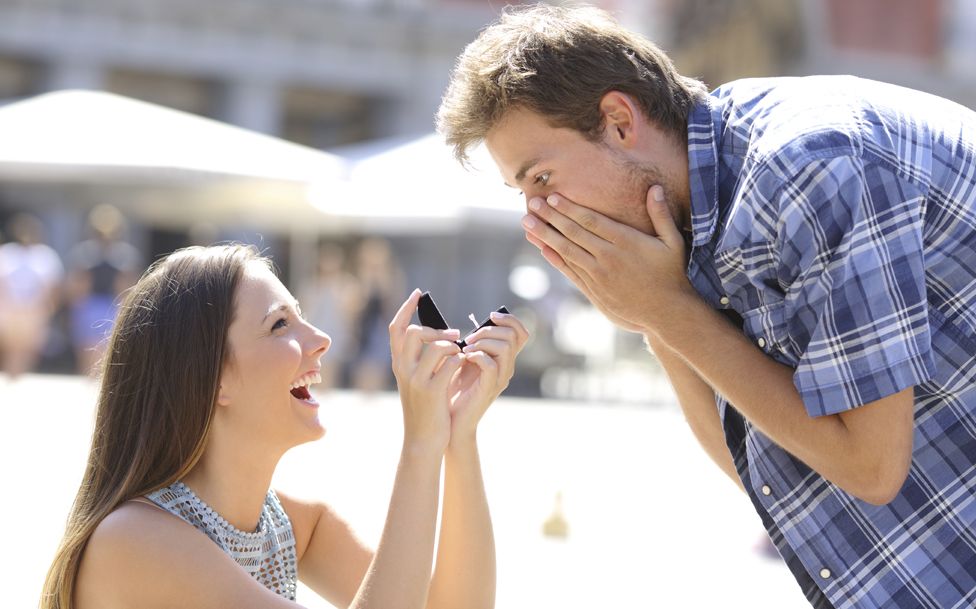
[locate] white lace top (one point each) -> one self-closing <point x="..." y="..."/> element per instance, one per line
<point x="267" y="554"/>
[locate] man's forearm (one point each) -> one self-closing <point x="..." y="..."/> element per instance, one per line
<point x="854" y="455"/>
<point x="697" y="402"/>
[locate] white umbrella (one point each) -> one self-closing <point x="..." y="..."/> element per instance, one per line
<point x="173" y="167"/>
<point x="418" y="186"/>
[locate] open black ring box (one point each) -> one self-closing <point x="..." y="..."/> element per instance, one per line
<point x="431" y="317"/>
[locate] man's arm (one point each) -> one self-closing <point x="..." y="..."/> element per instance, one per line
<point x="697" y="402"/>
<point x="866" y="451"/>
<point x="640" y="279"/>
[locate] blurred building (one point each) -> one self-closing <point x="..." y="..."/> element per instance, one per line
<point x="335" y="73"/>
<point x="928" y="45"/>
<point x="318" y="72"/>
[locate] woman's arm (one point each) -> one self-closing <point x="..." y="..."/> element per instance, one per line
<point x="443" y="401"/>
<point x="424" y="362"/>
<point x="465" y="573"/>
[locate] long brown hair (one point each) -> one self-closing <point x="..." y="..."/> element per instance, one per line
<point x="160" y="379"/>
<point x="559" y="62"/>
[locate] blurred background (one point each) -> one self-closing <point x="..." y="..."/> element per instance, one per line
<point x="130" y="128"/>
<point x="371" y="203"/>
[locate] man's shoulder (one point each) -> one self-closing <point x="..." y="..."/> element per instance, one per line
<point x="781" y="124"/>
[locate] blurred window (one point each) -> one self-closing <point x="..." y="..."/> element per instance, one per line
<point x="899" y="27"/>
<point x="195" y="95"/>
<point x="962" y="37"/>
<point x="324" y="119"/>
<point x="18" y="78"/>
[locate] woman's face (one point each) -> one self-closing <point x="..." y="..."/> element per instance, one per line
<point x="274" y="357"/>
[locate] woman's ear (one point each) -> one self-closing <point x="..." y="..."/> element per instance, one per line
<point x="223" y="397"/>
<point x="621" y="119"/>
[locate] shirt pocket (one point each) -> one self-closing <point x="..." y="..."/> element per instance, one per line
<point x="751" y="276"/>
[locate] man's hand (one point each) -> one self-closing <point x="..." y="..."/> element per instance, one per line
<point x="638" y="281"/>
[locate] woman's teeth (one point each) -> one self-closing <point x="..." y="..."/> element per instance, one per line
<point x="309" y="379"/>
<point x="299" y="388"/>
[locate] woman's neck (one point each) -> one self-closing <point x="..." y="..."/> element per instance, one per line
<point x="233" y="481"/>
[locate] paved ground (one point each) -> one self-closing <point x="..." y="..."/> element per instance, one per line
<point x="651" y="522"/>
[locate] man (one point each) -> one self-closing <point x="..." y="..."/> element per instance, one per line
<point x="831" y="220"/>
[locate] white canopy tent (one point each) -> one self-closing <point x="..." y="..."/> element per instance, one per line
<point x="164" y="166"/>
<point x="416" y="185"/>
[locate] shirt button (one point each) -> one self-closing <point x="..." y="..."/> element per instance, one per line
<point x="724" y="300"/>
<point x="761" y="342"/>
<point x="825" y="573"/>
<point x="766" y="490"/>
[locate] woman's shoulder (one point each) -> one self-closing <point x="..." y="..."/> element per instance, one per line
<point x="305" y="515"/>
<point x="315" y="522"/>
<point x="125" y="551"/>
<point x="141" y="555"/>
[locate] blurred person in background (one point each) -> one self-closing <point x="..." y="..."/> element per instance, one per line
<point x="204" y="387"/>
<point x="100" y="269"/>
<point x="380" y="281"/>
<point x="330" y="301"/>
<point x="30" y="288"/>
<point x="800" y="255"/>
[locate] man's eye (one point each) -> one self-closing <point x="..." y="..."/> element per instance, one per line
<point x="543" y="178"/>
<point x="281" y="323"/>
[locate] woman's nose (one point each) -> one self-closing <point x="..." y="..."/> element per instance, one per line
<point x="320" y="341"/>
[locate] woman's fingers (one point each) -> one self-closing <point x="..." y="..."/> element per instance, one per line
<point x="415" y="337"/>
<point x="486" y="363"/>
<point x="432" y="356"/>
<point x="443" y="375"/>
<point x="401" y="320"/>
<point x="507" y="328"/>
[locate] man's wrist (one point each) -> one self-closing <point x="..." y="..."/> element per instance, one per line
<point x="684" y="319"/>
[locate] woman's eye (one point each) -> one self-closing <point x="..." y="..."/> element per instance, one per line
<point x="281" y="323"/>
<point x="543" y="178"/>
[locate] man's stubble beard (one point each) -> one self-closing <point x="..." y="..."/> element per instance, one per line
<point x="640" y="178"/>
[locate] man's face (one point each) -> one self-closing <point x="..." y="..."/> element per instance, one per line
<point x="539" y="160"/>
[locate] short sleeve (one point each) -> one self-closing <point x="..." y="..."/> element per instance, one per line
<point x="851" y="238"/>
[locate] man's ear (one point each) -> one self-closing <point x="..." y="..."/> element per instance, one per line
<point x="622" y="119"/>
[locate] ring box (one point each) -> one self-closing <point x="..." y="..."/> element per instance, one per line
<point x="431" y="317"/>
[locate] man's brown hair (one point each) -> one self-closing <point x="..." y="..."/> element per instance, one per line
<point x="559" y="62"/>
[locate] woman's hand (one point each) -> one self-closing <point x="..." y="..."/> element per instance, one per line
<point x="424" y="362"/>
<point x="489" y="362"/>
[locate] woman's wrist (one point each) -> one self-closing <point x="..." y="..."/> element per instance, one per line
<point x="463" y="442"/>
<point x="422" y="450"/>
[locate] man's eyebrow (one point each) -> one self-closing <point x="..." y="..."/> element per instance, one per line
<point x="526" y="166"/>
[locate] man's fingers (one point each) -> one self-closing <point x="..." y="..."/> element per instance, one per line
<point x="558" y="243"/>
<point x="660" y="214"/>
<point x="578" y="229"/>
<point x="556" y="209"/>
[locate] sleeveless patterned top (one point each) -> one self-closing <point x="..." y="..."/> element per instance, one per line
<point x="267" y="554"/>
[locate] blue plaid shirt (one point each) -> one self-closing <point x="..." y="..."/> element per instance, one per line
<point x="835" y="219"/>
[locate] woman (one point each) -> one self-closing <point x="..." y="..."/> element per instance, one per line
<point x="205" y="386"/>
